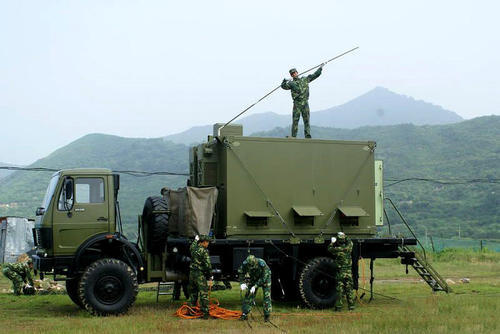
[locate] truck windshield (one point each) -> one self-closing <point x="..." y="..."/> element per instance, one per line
<point x="50" y="191"/>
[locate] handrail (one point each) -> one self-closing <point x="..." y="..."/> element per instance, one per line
<point x="407" y="225"/>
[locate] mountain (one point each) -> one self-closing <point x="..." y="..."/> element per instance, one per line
<point x="463" y="151"/>
<point x="379" y="106"/>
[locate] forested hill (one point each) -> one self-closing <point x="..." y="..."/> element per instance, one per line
<point x="463" y="151"/>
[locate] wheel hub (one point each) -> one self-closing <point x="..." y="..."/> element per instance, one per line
<point x="322" y="286"/>
<point x="108" y="290"/>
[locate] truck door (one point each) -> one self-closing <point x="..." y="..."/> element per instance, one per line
<point x="80" y="212"/>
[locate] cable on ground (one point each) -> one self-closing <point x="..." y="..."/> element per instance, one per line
<point x="215" y="311"/>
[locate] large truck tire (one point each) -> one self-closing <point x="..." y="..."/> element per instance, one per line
<point x="108" y="287"/>
<point x="317" y="287"/>
<point x="72" y="291"/>
<point x="157" y="223"/>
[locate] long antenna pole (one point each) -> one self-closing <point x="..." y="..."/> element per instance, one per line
<point x="262" y="98"/>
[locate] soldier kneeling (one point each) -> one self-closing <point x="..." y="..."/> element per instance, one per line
<point x="259" y="275"/>
<point x="20" y="275"/>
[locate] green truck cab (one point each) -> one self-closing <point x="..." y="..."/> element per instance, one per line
<point x="280" y="199"/>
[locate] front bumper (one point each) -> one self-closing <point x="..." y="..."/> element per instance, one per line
<point x="43" y="264"/>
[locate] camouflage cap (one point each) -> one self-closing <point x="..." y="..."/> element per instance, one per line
<point x="251" y="259"/>
<point x="341" y="235"/>
<point x="293" y="70"/>
<point x="203" y="238"/>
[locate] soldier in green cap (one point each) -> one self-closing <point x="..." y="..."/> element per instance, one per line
<point x="300" y="95"/>
<point x="255" y="273"/>
<point x="341" y="249"/>
<point x="200" y="271"/>
<point x="20" y="275"/>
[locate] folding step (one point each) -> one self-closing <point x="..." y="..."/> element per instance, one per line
<point x="425" y="270"/>
<point x="164" y="289"/>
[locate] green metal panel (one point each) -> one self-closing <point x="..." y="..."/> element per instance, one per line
<point x="379" y="192"/>
<point x="307" y="211"/>
<point x="230" y="130"/>
<point x="353" y="211"/>
<point x="267" y="174"/>
<point x="258" y="214"/>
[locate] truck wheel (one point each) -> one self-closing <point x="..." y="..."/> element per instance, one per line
<point x="72" y="290"/>
<point x="316" y="283"/>
<point x="157" y="223"/>
<point x="108" y="286"/>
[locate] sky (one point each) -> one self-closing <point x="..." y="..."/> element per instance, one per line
<point x="153" y="68"/>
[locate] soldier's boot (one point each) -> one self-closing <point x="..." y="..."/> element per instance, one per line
<point x="351" y="308"/>
<point x="206" y="316"/>
<point x="244" y="316"/>
<point x="338" y="309"/>
<point x="267" y="317"/>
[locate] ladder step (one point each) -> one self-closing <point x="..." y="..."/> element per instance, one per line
<point x="164" y="289"/>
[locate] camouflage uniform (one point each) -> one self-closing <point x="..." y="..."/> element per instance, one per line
<point x="176" y="293"/>
<point x="341" y="251"/>
<point x="200" y="271"/>
<point x="19" y="274"/>
<point x="300" y="96"/>
<point x="259" y="275"/>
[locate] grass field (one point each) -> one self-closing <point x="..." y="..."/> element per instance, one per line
<point x="471" y="308"/>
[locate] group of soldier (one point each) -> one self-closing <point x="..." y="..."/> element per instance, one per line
<point x="254" y="273"/>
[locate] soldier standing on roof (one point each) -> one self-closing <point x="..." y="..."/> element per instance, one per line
<point x="259" y="275"/>
<point x="200" y="271"/>
<point x="20" y="275"/>
<point x="300" y="96"/>
<point x="341" y="249"/>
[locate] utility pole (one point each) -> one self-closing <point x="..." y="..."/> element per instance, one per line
<point x="458" y="231"/>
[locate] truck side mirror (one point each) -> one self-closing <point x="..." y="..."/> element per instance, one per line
<point x="68" y="188"/>
<point x="40" y="211"/>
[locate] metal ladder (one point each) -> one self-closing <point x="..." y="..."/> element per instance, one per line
<point x="164" y="289"/>
<point x="423" y="269"/>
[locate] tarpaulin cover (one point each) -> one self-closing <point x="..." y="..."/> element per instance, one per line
<point x="191" y="210"/>
<point x="16" y="238"/>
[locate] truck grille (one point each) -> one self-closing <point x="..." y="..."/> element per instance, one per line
<point x="42" y="237"/>
<point x="37" y="238"/>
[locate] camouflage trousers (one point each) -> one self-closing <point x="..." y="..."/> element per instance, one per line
<point x="344" y="288"/>
<point x="301" y="108"/>
<point x="249" y="299"/>
<point x="198" y="286"/>
<point x="176" y="293"/>
<point x="17" y="280"/>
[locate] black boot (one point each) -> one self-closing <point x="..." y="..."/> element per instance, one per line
<point x="267" y="317"/>
<point x="244" y="316"/>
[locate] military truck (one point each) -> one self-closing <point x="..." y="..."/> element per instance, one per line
<point x="281" y="199"/>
